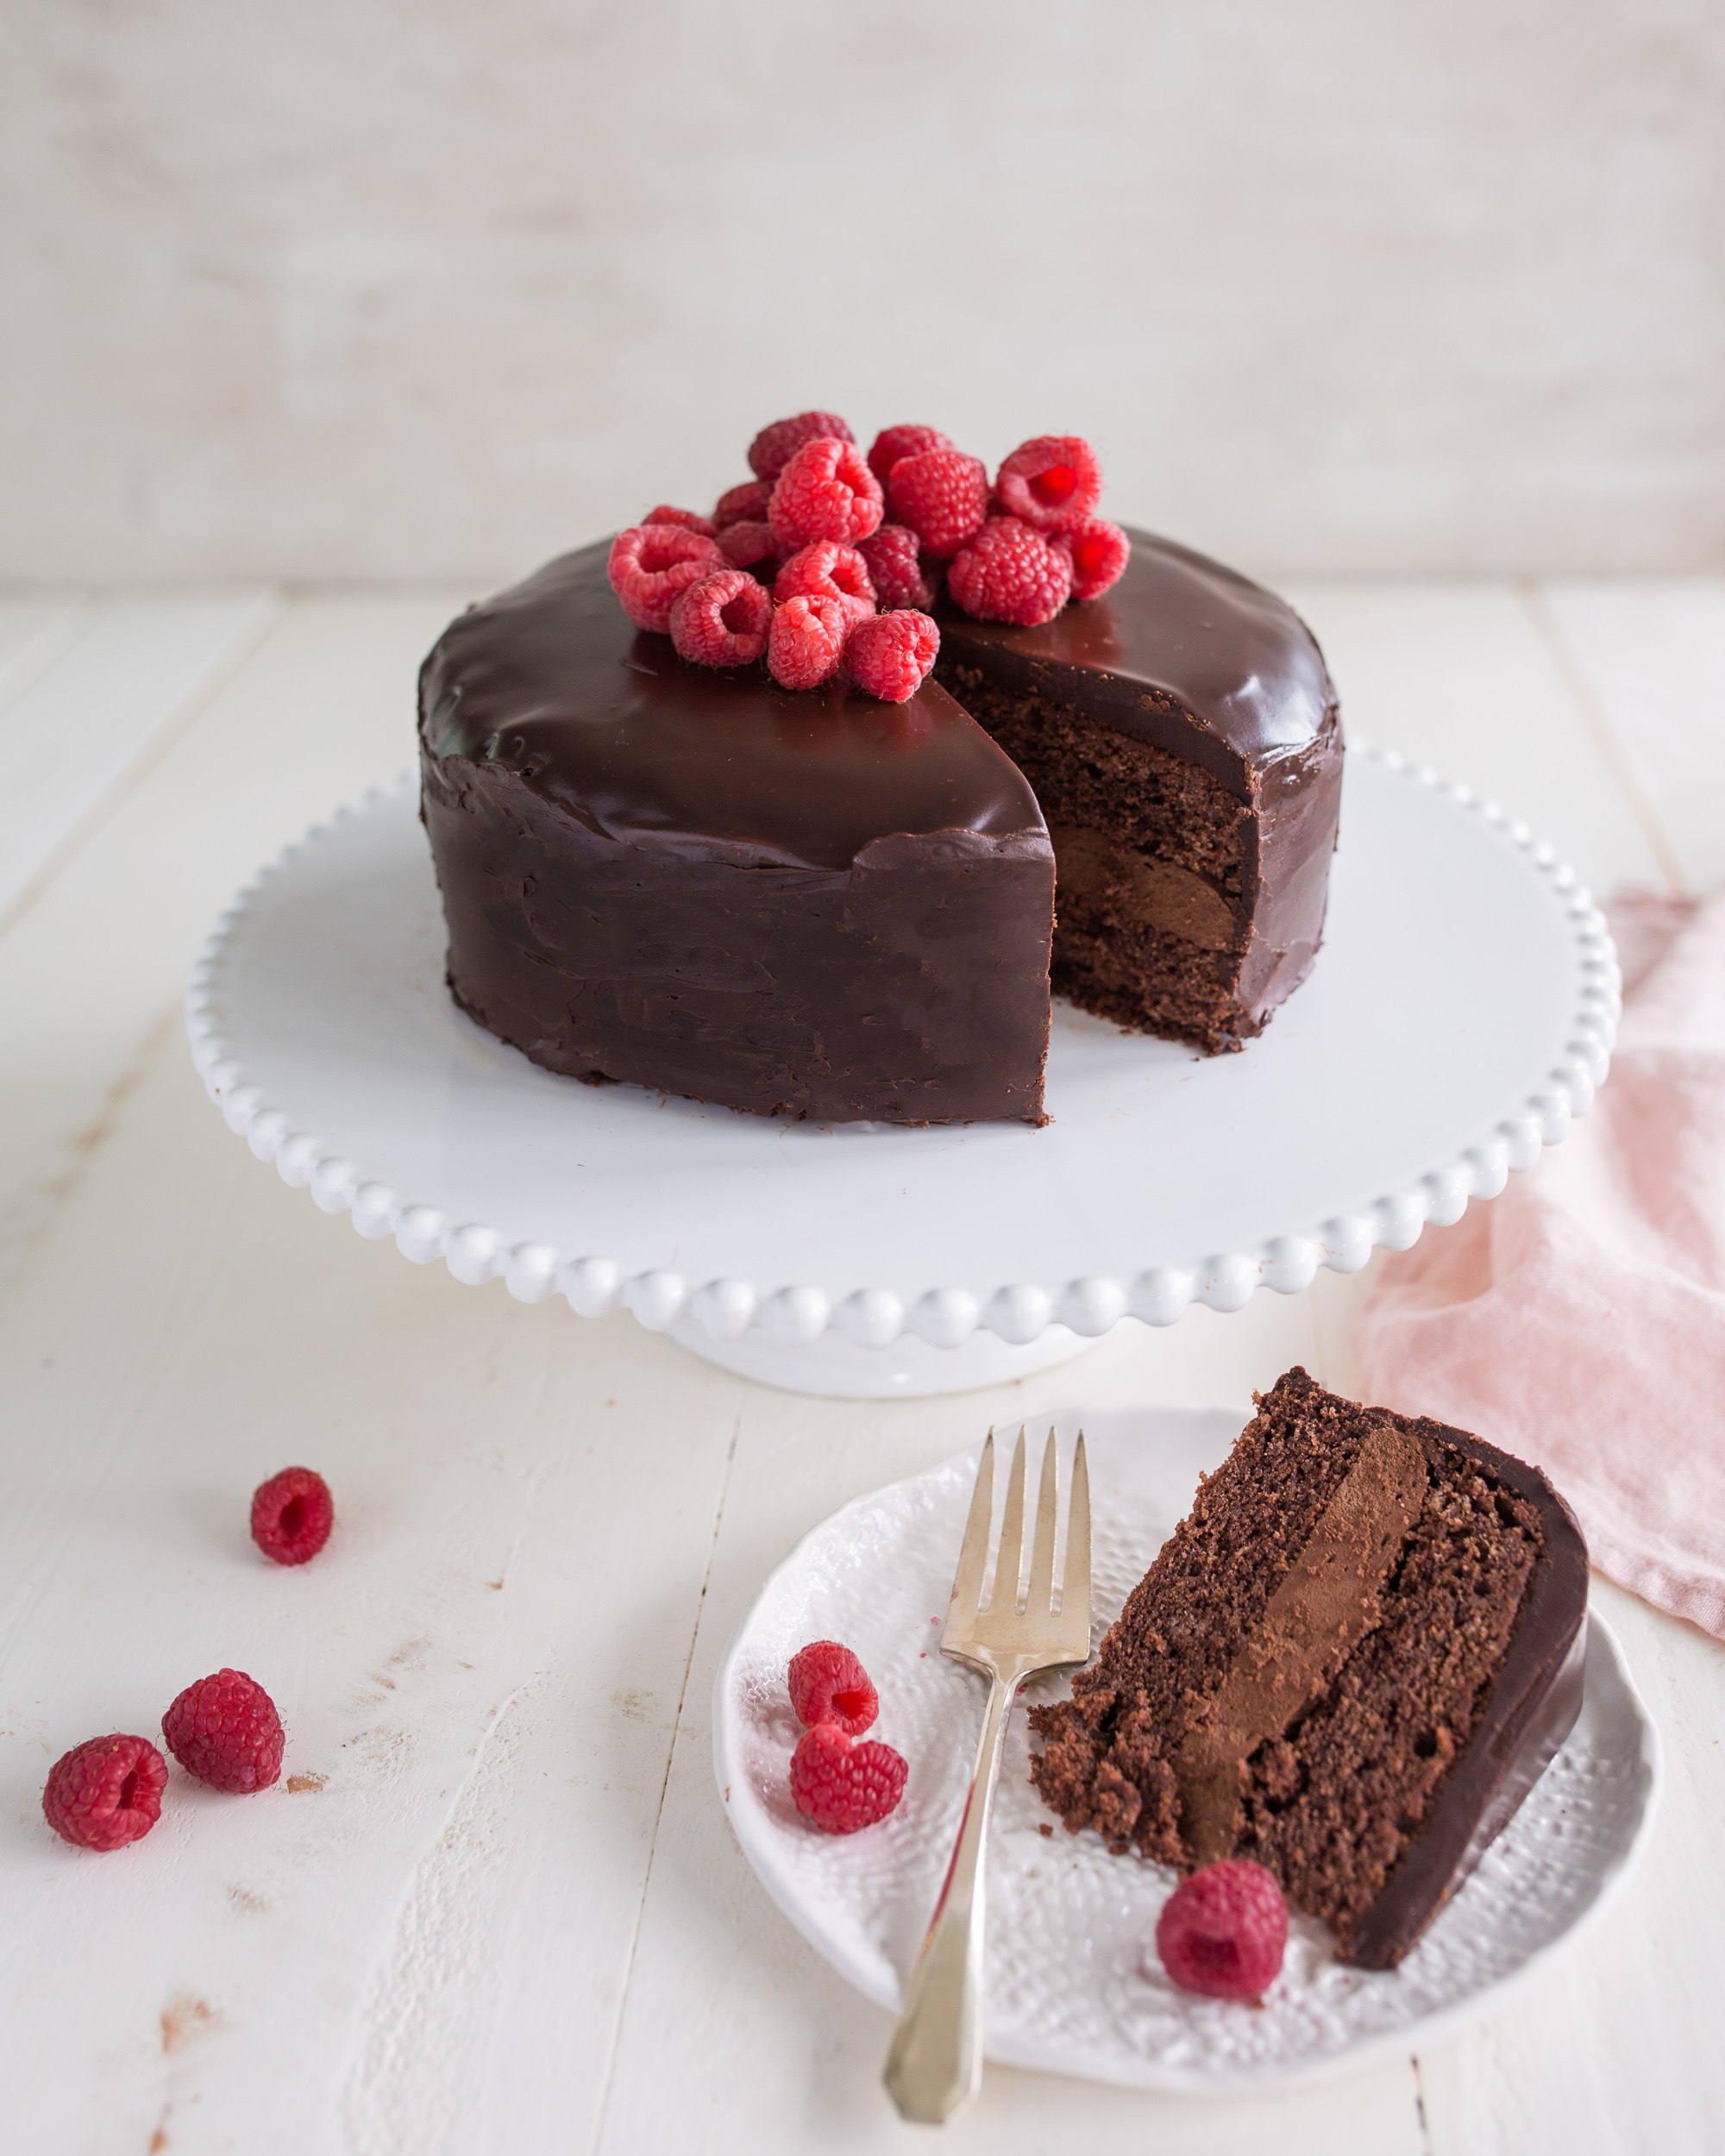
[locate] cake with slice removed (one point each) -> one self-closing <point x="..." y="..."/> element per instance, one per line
<point x="1349" y="1663"/>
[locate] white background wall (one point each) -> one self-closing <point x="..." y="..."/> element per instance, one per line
<point x="332" y="289"/>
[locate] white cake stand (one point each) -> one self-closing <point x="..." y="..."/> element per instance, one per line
<point x="1461" y="1013"/>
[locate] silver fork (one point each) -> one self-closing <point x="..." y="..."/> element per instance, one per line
<point x="935" y="2066"/>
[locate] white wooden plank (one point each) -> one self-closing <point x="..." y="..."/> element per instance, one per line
<point x="1652" y="654"/>
<point x="422" y="1946"/>
<point x="34" y="628"/>
<point x="322" y="710"/>
<point x="1457" y="675"/>
<point x="133" y="669"/>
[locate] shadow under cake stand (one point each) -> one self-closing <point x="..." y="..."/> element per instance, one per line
<point x="1462" y="1011"/>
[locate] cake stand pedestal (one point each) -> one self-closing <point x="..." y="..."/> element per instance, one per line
<point x="1462" y="1011"/>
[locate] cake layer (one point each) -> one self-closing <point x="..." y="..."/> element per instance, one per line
<point x="1181" y="734"/>
<point x="1348" y="1663"/>
<point x="811" y="903"/>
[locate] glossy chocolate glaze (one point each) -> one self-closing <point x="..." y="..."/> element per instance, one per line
<point x="1193" y="658"/>
<point x="1532" y="1708"/>
<point x="809" y="904"/>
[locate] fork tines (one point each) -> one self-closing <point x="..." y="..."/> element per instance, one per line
<point x="1051" y="1618"/>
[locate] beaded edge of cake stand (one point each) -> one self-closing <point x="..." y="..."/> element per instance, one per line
<point x="1019" y="1313"/>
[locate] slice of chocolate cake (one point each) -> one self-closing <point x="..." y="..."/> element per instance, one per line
<point x="1349" y="1663"/>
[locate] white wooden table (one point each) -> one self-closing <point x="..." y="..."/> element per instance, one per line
<point x="495" y="1905"/>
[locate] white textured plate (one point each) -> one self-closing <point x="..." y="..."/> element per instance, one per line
<point x="1069" y="1989"/>
<point x="1461" y="1011"/>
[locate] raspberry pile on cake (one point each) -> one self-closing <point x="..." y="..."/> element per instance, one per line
<point x="803" y="566"/>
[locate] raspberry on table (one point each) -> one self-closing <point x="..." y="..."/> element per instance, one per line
<point x="1009" y="573"/>
<point x="773" y="448"/>
<point x="891" y="656"/>
<point x="1098" y="551"/>
<point x="745" y="543"/>
<point x="826" y="570"/>
<point x="690" y="519"/>
<point x="827" y="1683"/>
<point x="895" y="567"/>
<point x="1222" y="1932"/>
<point x="651" y="564"/>
<point x="292" y="1515"/>
<point x="824" y="492"/>
<point x="893" y="443"/>
<point x="1052" y="483"/>
<point x="806" y="641"/>
<point x="744" y="505"/>
<point x="844" y="1786"/>
<point x="225" y="1730"/>
<point x="943" y="495"/>
<point x="105" y="1792"/>
<point x="724" y="620"/>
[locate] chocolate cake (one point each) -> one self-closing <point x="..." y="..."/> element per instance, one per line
<point x="816" y="905"/>
<point x="1349" y="1664"/>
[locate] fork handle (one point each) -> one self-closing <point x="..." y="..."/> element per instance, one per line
<point x="934" y="2066"/>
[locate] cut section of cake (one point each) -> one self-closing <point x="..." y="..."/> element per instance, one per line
<point x="1349" y="1663"/>
<point x="1182" y="736"/>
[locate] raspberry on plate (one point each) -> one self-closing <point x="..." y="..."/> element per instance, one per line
<point x="105" y="1792"/>
<point x="826" y="570"/>
<point x="292" y="1515"/>
<point x="773" y="448"/>
<point x="651" y="565"/>
<point x="1052" y="483"/>
<point x="890" y="655"/>
<point x="744" y="505"/>
<point x="1222" y="1932"/>
<point x="724" y="620"/>
<point x="824" y="492"/>
<point x="844" y="1786"/>
<point x="895" y="567"/>
<point x="747" y="543"/>
<point x="1009" y="573"/>
<point x="893" y="443"/>
<point x="943" y="495"/>
<point x="690" y="519"/>
<point x="827" y="1683"/>
<point x="806" y="641"/>
<point x="1098" y="551"/>
<point x="225" y="1730"/>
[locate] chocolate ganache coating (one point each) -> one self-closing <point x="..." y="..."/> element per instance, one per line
<point x="803" y="903"/>
<point x="1194" y="659"/>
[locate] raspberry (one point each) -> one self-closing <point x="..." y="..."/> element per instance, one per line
<point x="826" y="491"/>
<point x="1222" y="1931"/>
<point x="744" y="504"/>
<point x="773" y="448"/>
<point x="807" y="641"/>
<point x="1052" y="483"/>
<point x="1009" y="573"/>
<point x="292" y="1515"/>
<point x="841" y="1786"/>
<point x="690" y="519"/>
<point x="889" y="655"/>
<point x="893" y="443"/>
<point x="723" y="621"/>
<point x="826" y="570"/>
<point x="225" y="1730"/>
<point x="651" y="564"/>
<point x="745" y="543"/>
<point x="943" y="495"/>
<point x="829" y="1685"/>
<point x="894" y="568"/>
<point x="1098" y="551"/>
<point x="106" y="1792"/>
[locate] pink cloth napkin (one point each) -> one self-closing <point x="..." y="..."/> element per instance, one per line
<point x="1578" y="1320"/>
